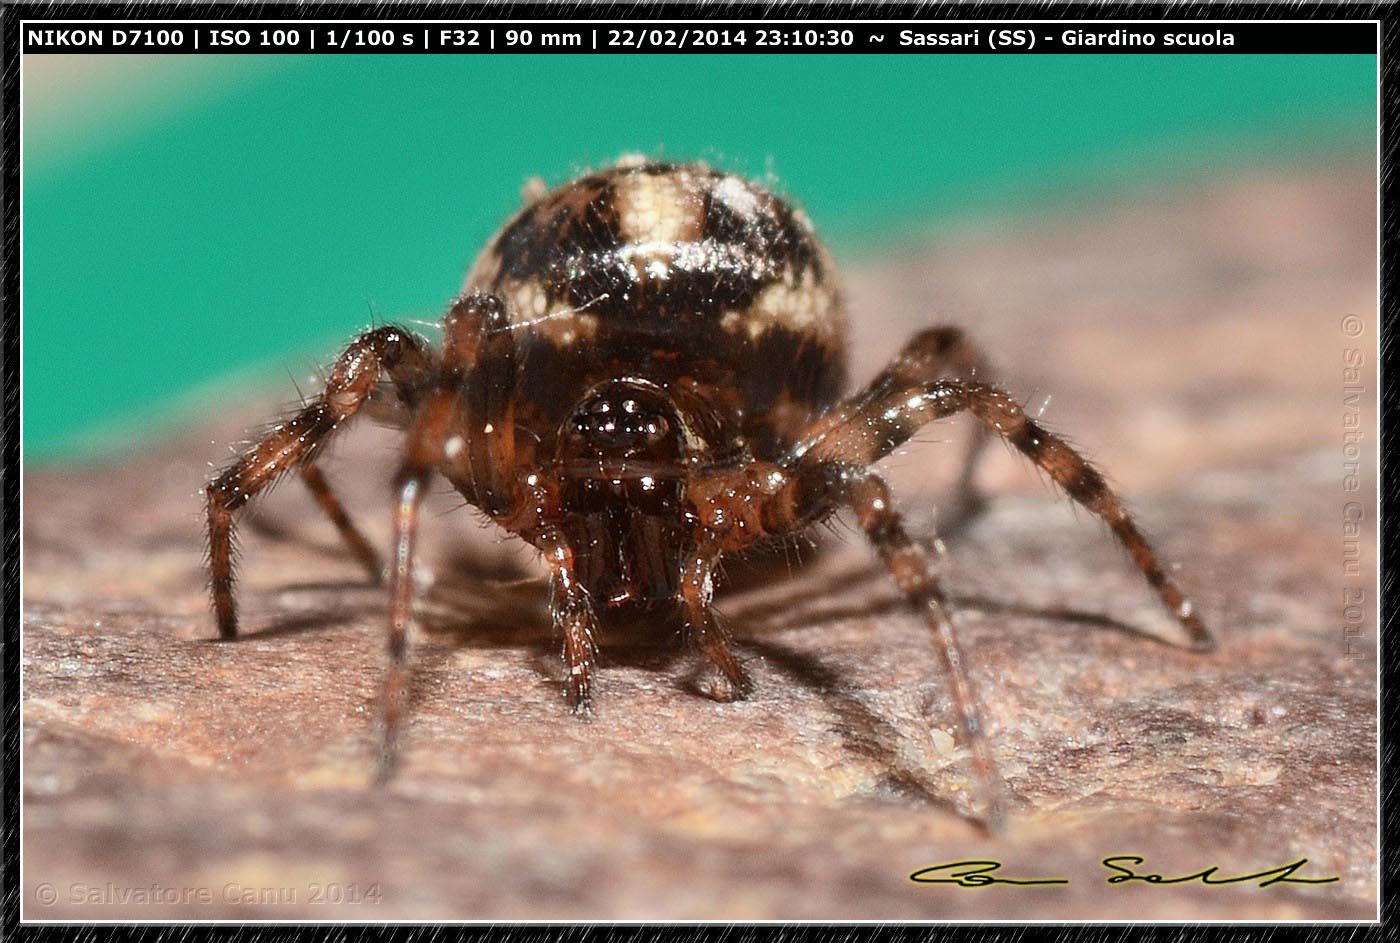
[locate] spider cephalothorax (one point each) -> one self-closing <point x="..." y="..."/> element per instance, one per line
<point x="644" y="373"/>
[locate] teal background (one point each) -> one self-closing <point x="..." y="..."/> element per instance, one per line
<point x="257" y="211"/>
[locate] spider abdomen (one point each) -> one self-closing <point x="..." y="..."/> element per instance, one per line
<point x="701" y="282"/>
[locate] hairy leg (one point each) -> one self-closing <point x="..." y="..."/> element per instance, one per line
<point x="294" y="442"/>
<point x="359" y="546"/>
<point x="697" y="591"/>
<point x="427" y="437"/>
<point x="828" y="469"/>
<point x="765" y="500"/>
<point x="935" y="354"/>
<point x="479" y="360"/>
<point x="464" y="427"/>
<point x="888" y="420"/>
<point x="913" y="572"/>
<point x="480" y="344"/>
<point x="574" y="619"/>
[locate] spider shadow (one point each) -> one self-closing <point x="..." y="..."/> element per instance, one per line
<point x="299" y="624"/>
<point x="770" y="564"/>
<point x="500" y="605"/>
<point x="484" y="602"/>
<point x="311" y="619"/>
<point x="514" y="615"/>
<point x="789" y="610"/>
<point x="771" y="616"/>
<point x="272" y="527"/>
<point x="863" y="731"/>
<point x="648" y="639"/>
<point x="866" y="733"/>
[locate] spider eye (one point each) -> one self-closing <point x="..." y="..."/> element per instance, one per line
<point x="626" y="419"/>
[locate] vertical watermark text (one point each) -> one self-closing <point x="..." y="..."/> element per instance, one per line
<point x="1354" y="515"/>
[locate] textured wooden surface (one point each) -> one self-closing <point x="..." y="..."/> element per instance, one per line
<point x="1190" y="342"/>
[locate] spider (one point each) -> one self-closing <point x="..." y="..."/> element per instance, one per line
<point x="644" y="373"/>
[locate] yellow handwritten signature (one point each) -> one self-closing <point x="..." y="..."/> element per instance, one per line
<point x="1122" y="870"/>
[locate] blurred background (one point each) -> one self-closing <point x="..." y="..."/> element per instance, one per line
<point x="195" y="223"/>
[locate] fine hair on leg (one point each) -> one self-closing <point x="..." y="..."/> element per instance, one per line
<point x="294" y="443"/>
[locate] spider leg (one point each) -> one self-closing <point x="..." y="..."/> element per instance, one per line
<point x="767" y="500"/>
<point x="479" y="359"/>
<point x="294" y="443"/>
<point x="697" y="591"/>
<point x="427" y="437"/>
<point x="465" y="427"/>
<point x="574" y="618"/>
<point x="478" y="336"/>
<point x="933" y="354"/>
<point x="320" y="489"/>
<point x="888" y="420"/>
<point x="828" y="469"/>
<point x="913" y="572"/>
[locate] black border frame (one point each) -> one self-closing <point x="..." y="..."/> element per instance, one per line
<point x="10" y="375"/>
